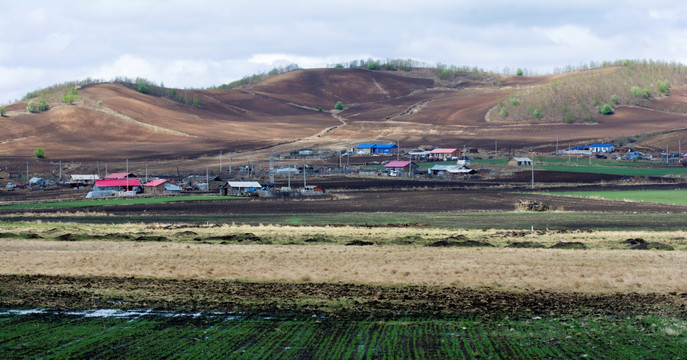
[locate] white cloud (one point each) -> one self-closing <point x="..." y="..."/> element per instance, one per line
<point x="210" y="42"/>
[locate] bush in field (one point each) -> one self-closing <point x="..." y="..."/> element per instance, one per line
<point x="606" y="109"/>
<point x="537" y="113"/>
<point x="339" y="105"/>
<point x="615" y="99"/>
<point x="514" y="101"/>
<point x="39" y="153"/>
<point x="503" y="112"/>
<point x="663" y="87"/>
<point x="519" y="72"/>
<point x="32" y="107"/>
<point x="2" y="111"/>
<point x="69" y="98"/>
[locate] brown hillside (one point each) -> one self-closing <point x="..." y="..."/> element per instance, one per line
<point x="280" y="114"/>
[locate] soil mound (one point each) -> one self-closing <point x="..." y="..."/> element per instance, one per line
<point x="526" y="245"/>
<point x="67" y="237"/>
<point x="150" y="238"/>
<point x="465" y="243"/>
<point x="359" y="243"/>
<point x="635" y="241"/>
<point x="652" y="246"/>
<point x="245" y="237"/>
<point x="317" y="239"/>
<point x="187" y="233"/>
<point x="407" y="240"/>
<point x="576" y="245"/>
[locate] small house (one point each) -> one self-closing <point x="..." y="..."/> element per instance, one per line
<point x="82" y="180"/>
<point x="240" y="188"/>
<point x="444" y="154"/>
<point x="121" y="175"/>
<point x="365" y="149"/>
<point x="385" y="149"/>
<point x="155" y="187"/>
<point x="602" y="148"/>
<point x="215" y="183"/>
<point x="519" y="161"/>
<point x="450" y="170"/>
<point x="117" y="184"/>
<point x="396" y="168"/>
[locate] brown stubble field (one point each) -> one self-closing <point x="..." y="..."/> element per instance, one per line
<point x="320" y="255"/>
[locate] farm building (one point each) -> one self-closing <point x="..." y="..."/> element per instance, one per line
<point x="161" y="186"/>
<point x="518" y="161"/>
<point x="216" y="183"/>
<point x="602" y="148"/>
<point x="365" y="149"/>
<point x="397" y="167"/>
<point x="450" y="169"/>
<point x="239" y="188"/>
<point x="82" y="180"/>
<point x="120" y="175"/>
<point x="117" y="184"/>
<point x="443" y="154"/>
<point x="418" y="153"/>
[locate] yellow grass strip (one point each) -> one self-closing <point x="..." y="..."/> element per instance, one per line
<point x="597" y="271"/>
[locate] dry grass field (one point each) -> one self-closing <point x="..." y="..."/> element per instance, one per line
<point x="606" y="267"/>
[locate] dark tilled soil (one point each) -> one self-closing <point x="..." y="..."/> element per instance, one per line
<point x="66" y="292"/>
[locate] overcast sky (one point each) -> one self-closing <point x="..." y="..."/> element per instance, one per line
<point x="203" y="43"/>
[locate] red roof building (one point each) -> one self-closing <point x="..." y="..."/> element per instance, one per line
<point x="117" y="183"/>
<point x="443" y="154"/>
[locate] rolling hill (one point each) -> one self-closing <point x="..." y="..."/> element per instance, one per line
<point x="295" y="110"/>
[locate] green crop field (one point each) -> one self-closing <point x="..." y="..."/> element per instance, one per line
<point x="117" y="201"/>
<point x="678" y="197"/>
<point x="616" y="170"/>
<point x="282" y="336"/>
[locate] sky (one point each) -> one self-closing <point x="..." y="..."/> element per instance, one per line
<point x="205" y="43"/>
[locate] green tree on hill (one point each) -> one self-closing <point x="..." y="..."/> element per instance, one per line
<point x="519" y="72"/>
<point x="39" y="153"/>
<point x="339" y="105"/>
<point x="2" y="111"/>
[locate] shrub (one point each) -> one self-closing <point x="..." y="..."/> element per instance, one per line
<point x="444" y="74"/>
<point x="537" y="114"/>
<point x="39" y="153"/>
<point x="32" y="107"/>
<point x="614" y="99"/>
<point x="2" y="111"/>
<point x="636" y="91"/>
<point x="43" y="104"/>
<point x="319" y="109"/>
<point x="606" y="109"/>
<point x="339" y="105"/>
<point x="663" y="87"/>
<point x="503" y="112"/>
<point x="100" y="102"/>
<point x="514" y="101"/>
<point x="373" y="65"/>
<point x="69" y="98"/>
<point x="519" y="72"/>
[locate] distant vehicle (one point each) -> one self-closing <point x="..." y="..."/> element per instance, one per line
<point x="10" y="185"/>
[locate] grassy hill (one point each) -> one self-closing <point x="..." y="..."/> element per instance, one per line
<point x="443" y="106"/>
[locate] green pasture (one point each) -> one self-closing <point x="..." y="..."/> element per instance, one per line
<point x="678" y="197"/>
<point x="283" y="336"/>
<point x="553" y="220"/>
<point x="112" y="201"/>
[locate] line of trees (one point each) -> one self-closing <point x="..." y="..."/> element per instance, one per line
<point x="252" y="79"/>
<point x="587" y="96"/>
<point x="441" y="72"/>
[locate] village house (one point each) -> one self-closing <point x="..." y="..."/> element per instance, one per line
<point x="443" y="154"/>
<point x="397" y="168"/>
<point x="520" y="161"/>
<point x="376" y="149"/>
<point x="240" y="188"/>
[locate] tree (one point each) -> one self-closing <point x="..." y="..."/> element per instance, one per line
<point x="43" y="104"/>
<point x="39" y="153"/>
<point x="519" y="72"/>
<point x="100" y="102"/>
<point x="614" y="99"/>
<point x="606" y="109"/>
<point x="69" y="98"/>
<point x="196" y="102"/>
<point x="503" y="112"/>
<point x="339" y="105"/>
<point x="537" y="114"/>
<point x="31" y="107"/>
<point x="2" y="111"/>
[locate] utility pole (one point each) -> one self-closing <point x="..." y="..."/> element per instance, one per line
<point x="98" y="164"/>
<point x="220" y="162"/>
<point x="568" y="152"/>
<point x="271" y="169"/>
<point x="556" y="145"/>
<point x="207" y="178"/>
<point x="60" y="170"/>
<point x="496" y="149"/>
<point x="590" y="156"/>
<point x="304" y="165"/>
<point x="127" y="175"/>
<point x="146" y="172"/>
<point x="229" y="163"/>
<point x="532" y="170"/>
<point x="339" y="159"/>
<point x="27" y="171"/>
